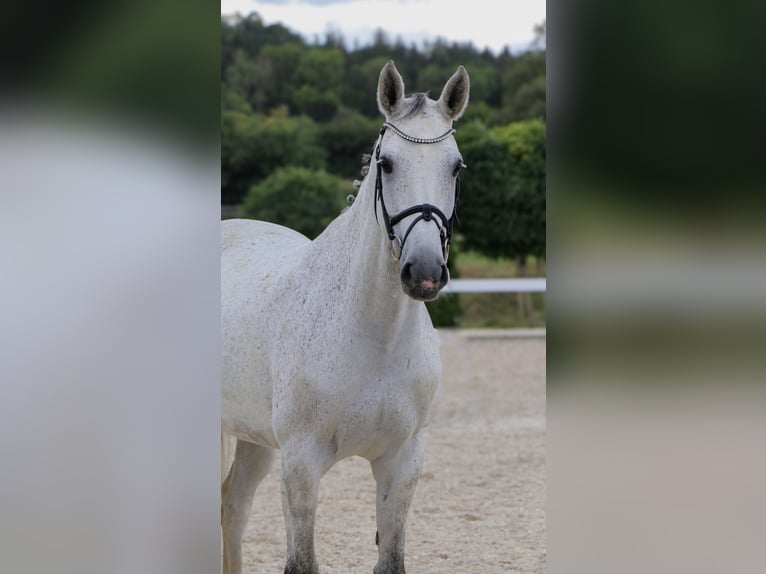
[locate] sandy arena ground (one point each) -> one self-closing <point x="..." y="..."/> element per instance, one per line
<point x="480" y="503"/>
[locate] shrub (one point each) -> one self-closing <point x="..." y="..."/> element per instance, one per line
<point x="502" y="209"/>
<point x="299" y="198"/>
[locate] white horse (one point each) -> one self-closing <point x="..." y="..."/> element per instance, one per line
<point x="328" y="349"/>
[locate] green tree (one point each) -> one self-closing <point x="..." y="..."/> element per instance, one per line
<point x="502" y="211"/>
<point x="431" y="79"/>
<point x="346" y="139"/>
<point x="478" y="110"/>
<point x="302" y="199"/>
<point x="283" y="61"/>
<point x="233" y="101"/>
<point x="368" y="74"/>
<point x="254" y="145"/>
<point x="322" y="68"/>
<point x="246" y="78"/>
<point x="529" y="100"/>
<point x="485" y="83"/>
<point x="320" y="77"/>
<point x="524" y="88"/>
<point x="318" y="105"/>
<point x="250" y="34"/>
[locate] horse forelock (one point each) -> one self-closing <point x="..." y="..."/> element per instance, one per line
<point x="412" y="105"/>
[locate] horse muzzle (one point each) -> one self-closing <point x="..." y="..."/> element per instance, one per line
<point x="423" y="282"/>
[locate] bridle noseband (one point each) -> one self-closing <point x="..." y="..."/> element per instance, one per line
<point x="426" y="210"/>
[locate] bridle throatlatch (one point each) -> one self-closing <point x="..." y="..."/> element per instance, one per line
<point x="427" y="211"/>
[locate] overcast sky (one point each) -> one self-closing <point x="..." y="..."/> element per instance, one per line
<point x="486" y="23"/>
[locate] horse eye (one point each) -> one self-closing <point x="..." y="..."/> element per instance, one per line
<point x="458" y="165"/>
<point x="385" y="164"/>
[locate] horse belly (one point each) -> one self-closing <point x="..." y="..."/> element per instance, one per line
<point x="246" y="408"/>
<point x="246" y="387"/>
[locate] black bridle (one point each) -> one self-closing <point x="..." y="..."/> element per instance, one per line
<point x="426" y="210"/>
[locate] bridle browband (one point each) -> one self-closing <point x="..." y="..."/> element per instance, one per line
<point x="426" y="210"/>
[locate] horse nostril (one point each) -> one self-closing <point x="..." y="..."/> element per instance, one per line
<point x="407" y="272"/>
<point x="445" y="276"/>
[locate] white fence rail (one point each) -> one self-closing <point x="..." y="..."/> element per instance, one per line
<point x="518" y="285"/>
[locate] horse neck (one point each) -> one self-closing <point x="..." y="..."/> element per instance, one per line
<point x="374" y="284"/>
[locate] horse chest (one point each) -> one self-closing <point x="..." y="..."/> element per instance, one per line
<point x="383" y="405"/>
<point x="364" y="401"/>
<point x="384" y="416"/>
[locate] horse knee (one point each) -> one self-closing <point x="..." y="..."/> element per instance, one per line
<point x="300" y="481"/>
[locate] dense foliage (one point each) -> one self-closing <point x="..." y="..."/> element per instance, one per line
<point x="503" y="212"/>
<point x="303" y="199"/>
<point x="289" y="103"/>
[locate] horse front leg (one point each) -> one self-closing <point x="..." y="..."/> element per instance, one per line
<point x="302" y="468"/>
<point x="396" y="476"/>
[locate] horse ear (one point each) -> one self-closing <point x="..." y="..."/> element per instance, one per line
<point x="390" y="89"/>
<point x="454" y="96"/>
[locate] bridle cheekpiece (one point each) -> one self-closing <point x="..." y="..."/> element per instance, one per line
<point x="426" y="210"/>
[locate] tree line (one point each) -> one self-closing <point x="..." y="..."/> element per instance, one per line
<point x="296" y="119"/>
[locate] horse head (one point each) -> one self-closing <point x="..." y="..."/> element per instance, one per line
<point x="417" y="163"/>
